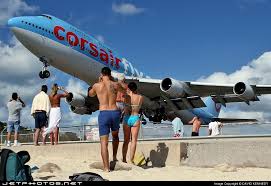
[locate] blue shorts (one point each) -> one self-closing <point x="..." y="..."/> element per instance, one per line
<point x="133" y="120"/>
<point x="40" y="120"/>
<point x="13" y="125"/>
<point x="125" y="119"/>
<point x="108" y="119"/>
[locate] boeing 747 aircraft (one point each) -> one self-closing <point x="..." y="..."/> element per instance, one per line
<point x="70" y="50"/>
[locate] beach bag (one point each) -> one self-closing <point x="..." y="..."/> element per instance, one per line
<point x="12" y="166"/>
<point x="86" y="176"/>
<point x="139" y="159"/>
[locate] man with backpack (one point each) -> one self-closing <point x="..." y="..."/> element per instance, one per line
<point x="15" y="106"/>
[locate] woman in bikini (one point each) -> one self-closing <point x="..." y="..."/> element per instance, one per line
<point x="55" y="114"/>
<point x="131" y="121"/>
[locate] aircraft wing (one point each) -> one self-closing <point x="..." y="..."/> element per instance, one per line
<point x="174" y="95"/>
<point x="183" y="95"/>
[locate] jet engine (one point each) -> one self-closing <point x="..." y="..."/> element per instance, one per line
<point x="174" y="88"/>
<point x="76" y="100"/>
<point x="80" y="110"/>
<point x="244" y="91"/>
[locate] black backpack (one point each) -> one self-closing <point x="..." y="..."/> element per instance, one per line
<point x="86" y="176"/>
<point x="12" y="166"/>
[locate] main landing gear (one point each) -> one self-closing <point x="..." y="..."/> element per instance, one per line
<point x="44" y="73"/>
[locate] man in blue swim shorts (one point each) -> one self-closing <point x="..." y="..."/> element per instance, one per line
<point x="109" y="118"/>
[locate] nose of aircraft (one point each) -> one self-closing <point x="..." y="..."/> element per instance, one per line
<point x="13" y="21"/>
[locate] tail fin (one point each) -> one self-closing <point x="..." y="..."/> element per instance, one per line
<point x="212" y="107"/>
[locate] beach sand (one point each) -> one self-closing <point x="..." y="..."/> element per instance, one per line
<point x="57" y="163"/>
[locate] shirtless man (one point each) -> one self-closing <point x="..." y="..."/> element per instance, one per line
<point x="55" y="113"/>
<point x="196" y="126"/>
<point x="109" y="118"/>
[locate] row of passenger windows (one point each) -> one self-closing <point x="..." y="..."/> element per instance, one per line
<point x="38" y="27"/>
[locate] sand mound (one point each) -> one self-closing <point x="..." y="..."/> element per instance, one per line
<point x="49" y="167"/>
<point x="114" y="165"/>
<point x="225" y="168"/>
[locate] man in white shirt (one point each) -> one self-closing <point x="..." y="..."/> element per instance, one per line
<point x="177" y="125"/>
<point x="40" y="111"/>
<point x="215" y="128"/>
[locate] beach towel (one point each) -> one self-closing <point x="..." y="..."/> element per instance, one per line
<point x="54" y="119"/>
<point x="86" y="176"/>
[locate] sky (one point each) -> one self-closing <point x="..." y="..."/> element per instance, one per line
<point x="214" y="41"/>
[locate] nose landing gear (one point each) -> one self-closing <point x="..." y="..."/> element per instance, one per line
<point x="44" y="73"/>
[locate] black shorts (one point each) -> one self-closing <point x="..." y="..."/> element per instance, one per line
<point x="195" y="134"/>
<point x="40" y="120"/>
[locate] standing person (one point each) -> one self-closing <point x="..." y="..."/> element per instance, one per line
<point x="120" y="101"/>
<point x="15" y="106"/>
<point x="40" y="111"/>
<point x="196" y="126"/>
<point x="177" y="125"/>
<point x="55" y="113"/>
<point x="131" y="128"/>
<point x="215" y="128"/>
<point x="109" y="118"/>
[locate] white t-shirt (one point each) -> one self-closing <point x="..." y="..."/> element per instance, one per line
<point x="177" y="125"/>
<point x="214" y="126"/>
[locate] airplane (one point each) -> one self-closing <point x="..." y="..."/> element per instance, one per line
<point x="67" y="48"/>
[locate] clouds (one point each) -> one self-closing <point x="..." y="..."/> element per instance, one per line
<point x="258" y="71"/>
<point x="127" y="9"/>
<point x="76" y="86"/>
<point x="19" y="70"/>
<point x="10" y="8"/>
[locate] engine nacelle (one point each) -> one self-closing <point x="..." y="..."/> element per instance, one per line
<point x="174" y="88"/>
<point x="80" y="110"/>
<point x="76" y="100"/>
<point x="244" y="91"/>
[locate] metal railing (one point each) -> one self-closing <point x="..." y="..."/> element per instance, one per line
<point x="147" y="132"/>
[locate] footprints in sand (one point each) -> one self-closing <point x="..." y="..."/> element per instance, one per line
<point x="114" y="165"/>
<point x="49" y="167"/>
<point x="225" y="168"/>
<point x="46" y="171"/>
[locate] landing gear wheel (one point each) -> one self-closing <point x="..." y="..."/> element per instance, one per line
<point x="41" y="75"/>
<point x="46" y="74"/>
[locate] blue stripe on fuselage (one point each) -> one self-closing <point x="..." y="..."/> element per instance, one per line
<point x="49" y="24"/>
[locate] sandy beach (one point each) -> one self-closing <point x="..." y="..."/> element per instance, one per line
<point x="57" y="163"/>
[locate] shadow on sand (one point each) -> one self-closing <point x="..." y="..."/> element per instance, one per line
<point x="157" y="157"/>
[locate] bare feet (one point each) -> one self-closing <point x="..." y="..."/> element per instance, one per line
<point x="106" y="170"/>
<point x="36" y="144"/>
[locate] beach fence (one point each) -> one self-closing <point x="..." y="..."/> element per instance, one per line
<point x="80" y="133"/>
<point x="150" y="131"/>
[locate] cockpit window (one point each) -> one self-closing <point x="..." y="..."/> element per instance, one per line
<point x="46" y="16"/>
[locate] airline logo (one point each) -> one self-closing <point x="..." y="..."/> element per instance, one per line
<point x="73" y="40"/>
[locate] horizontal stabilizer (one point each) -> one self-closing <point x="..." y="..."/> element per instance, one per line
<point x="235" y="120"/>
